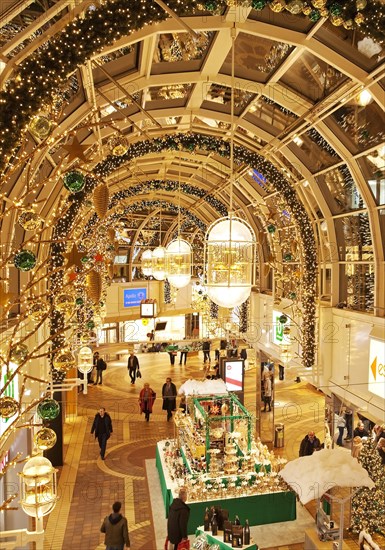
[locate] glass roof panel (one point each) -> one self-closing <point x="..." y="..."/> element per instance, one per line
<point x="218" y="98"/>
<point x="283" y="19"/>
<point x="355" y="232"/>
<point x="180" y="52"/>
<point x="373" y="169"/>
<point x="343" y="190"/>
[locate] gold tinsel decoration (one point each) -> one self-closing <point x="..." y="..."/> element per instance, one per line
<point x="101" y="198"/>
<point x="94" y="286"/>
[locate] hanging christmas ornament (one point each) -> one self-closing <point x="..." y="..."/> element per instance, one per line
<point x="25" y="260"/>
<point x="324" y="12"/>
<point x="287" y="257"/>
<point x="286" y="330"/>
<point x="18" y="353"/>
<point x="319" y="3"/>
<point x="74" y="181"/>
<point x="74" y="257"/>
<point x="271" y="228"/>
<point x="283" y="319"/>
<point x="45" y="439"/>
<point x="277" y="5"/>
<point x="48" y="409"/>
<point x="336" y="20"/>
<point x="64" y="303"/>
<point x="292" y="295"/>
<point x="295" y="6"/>
<point x="118" y="145"/>
<point x="335" y="9"/>
<point x="348" y="24"/>
<point x="37" y="310"/>
<point x="258" y="4"/>
<point x="29" y="220"/>
<point x="361" y="4"/>
<point x="79" y="301"/>
<point x="64" y="360"/>
<point x="359" y="18"/>
<point x="306" y="10"/>
<point x="314" y="16"/>
<point x="40" y="126"/>
<point x="94" y="285"/>
<point x="8" y="407"/>
<point x="101" y="199"/>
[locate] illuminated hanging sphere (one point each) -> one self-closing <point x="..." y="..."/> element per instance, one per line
<point x="29" y="220"/>
<point x="48" y="409"/>
<point x="159" y="263"/>
<point x="40" y="126"/>
<point x="230" y="261"/>
<point x="64" y="360"/>
<point x="45" y="439"/>
<point x="38" y="489"/>
<point x="25" y="260"/>
<point x="8" y="407"/>
<point x="178" y="263"/>
<point x="147" y="262"/>
<point x="74" y="181"/>
<point x="118" y="145"/>
<point x="37" y="310"/>
<point x="64" y="303"/>
<point x="295" y="6"/>
<point x="18" y="353"/>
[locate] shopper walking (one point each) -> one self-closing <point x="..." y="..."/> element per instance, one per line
<point x="102" y="426"/>
<point x="101" y="365"/>
<point x="115" y="527"/>
<point x="267" y="392"/>
<point x="178" y="516"/>
<point x="309" y="444"/>
<point x="183" y="354"/>
<point x="147" y="398"/>
<point x="206" y="346"/>
<point x="341" y="424"/>
<point x="133" y="366"/>
<point x="169" y="397"/>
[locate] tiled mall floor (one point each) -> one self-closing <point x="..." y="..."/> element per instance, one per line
<point x="88" y="486"/>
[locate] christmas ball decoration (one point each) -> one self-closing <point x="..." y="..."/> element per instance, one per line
<point x="319" y="3"/>
<point x="336" y="20"/>
<point x="101" y="199"/>
<point x="271" y="228"/>
<point x="361" y="4"/>
<point x="40" y="126"/>
<point x="277" y="5"/>
<point x="45" y="439"/>
<point x="283" y="319"/>
<point x="8" y="407"/>
<point x="348" y="24"/>
<point x="18" y="353"/>
<point x="286" y="330"/>
<point x="90" y="325"/>
<point x="210" y="5"/>
<point x="94" y="285"/>
<point x="306" y="10"/>
<point x="359" y="18"/>
<point x="79" y="301"/>
<point x="295" y="6"/>
<point x="258" y="4"/>
<point x="335" y="9"/>
<point x="64" y="303"/>
<point x="37" y="310"/>
<point x="287" y="257"/>
<point x="48" y="409"/>
<point x="25" y="260"/>
<point x="314" y="16"/>
<point x="74" y="181"/>
<point x="64" y="360"/>
<point x="324" y="12"/>
<point x="292" y="295"/>
<point x="29" y="220"/>
<point x="118" y="145"/>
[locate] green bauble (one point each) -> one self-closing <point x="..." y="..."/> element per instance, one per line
<point x="8" y="407"/>
<point x="90" y="325"/>
<point x="74" y="181"/>
<point x="314" y="16"/>
<point x="25" y="260"/>
<point x="258" y="4"/>
<point x="335" y="9"/>
<point x="18" y="353"/>
<point x="45" y="439"/>
<point x="79" y="301"/>
<point x="292" y="295"/>
<point x="271" y="228"/>
<point x="40" y="126"/>
<point x="287" y="257"/>
<point x="283" y="319"/>
<point x="48" y="409"/>
<point x="210" y="5"/>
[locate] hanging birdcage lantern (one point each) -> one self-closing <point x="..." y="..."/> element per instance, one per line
<point x="159" y="263"/>
<point x="230" y="261"/>
<point x="147" y="262"/>
<point x="178" y="263"/>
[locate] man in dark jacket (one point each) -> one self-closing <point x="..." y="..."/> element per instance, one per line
<point x="169" y="397"/>
<point x="206" y="346"/>
<point x="102" y="426"/>
<point x="115" y="527"/>
<point x="133" y="366"/>
<point x="309" y="444"/>
<point x="178" y="515"/>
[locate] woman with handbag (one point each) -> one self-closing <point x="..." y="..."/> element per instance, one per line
<point x="146" y="401"/>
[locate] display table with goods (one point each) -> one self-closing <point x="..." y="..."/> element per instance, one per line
<point x="205" y="541"/>
<point x="215" y="456"/>
<point x="312" y="542"/>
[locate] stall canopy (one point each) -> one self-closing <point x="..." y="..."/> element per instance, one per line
<point x="205" y="387"/>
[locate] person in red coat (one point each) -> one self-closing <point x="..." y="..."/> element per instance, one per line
<point x="146" y="400"/>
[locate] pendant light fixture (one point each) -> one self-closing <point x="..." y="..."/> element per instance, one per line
<point x="178" y="257"/>
<point x="158" y="259"/>
<point x="146" y="263"/>
<point x="230" y="241"/>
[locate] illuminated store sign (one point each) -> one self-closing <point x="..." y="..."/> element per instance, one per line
<point x="377" y="367"/>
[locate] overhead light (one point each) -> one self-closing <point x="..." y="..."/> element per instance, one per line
<point x="298" y="141"/>
<point x="324" y="226"/>
<point x="158" y="261"/>
<point x="178" y="263"/>
<point x="306" y="183"/>
<point x="147" y="262"/>
<point x="364" y="98"/>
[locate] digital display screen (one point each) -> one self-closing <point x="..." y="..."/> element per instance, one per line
<point x="133" y="296"/>
<point x="233" y="374"/>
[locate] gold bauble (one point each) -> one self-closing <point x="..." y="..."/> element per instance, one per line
<point x="361" y="4"/>
<point x="29" y="220"/>
<point x="40" y="126"/>
<point x="8" y="407"/>
<point x="64" y="360"/>
<point x="348" y="24"/>
<point x="37" y="310"/>
<point x="324" y="12"/>
<point x="118" y="145"/>
<point x="336" y="20"/>
<point x="295" y="6"/>
<point x="18" y="353"/>
<point x="306" y="10"/>
<point x="359" y="18"/>
<point x="65" y="303"/>
<point x="286" y="330"/>
<point x="45" y="439"/>
<point x="277" y="5"/>
<point x="319" y="3"/>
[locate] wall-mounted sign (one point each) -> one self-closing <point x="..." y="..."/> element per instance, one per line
<point x="278" y="333"/>
<point x="376" y="377"/>
<point x="133" y="296"/>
